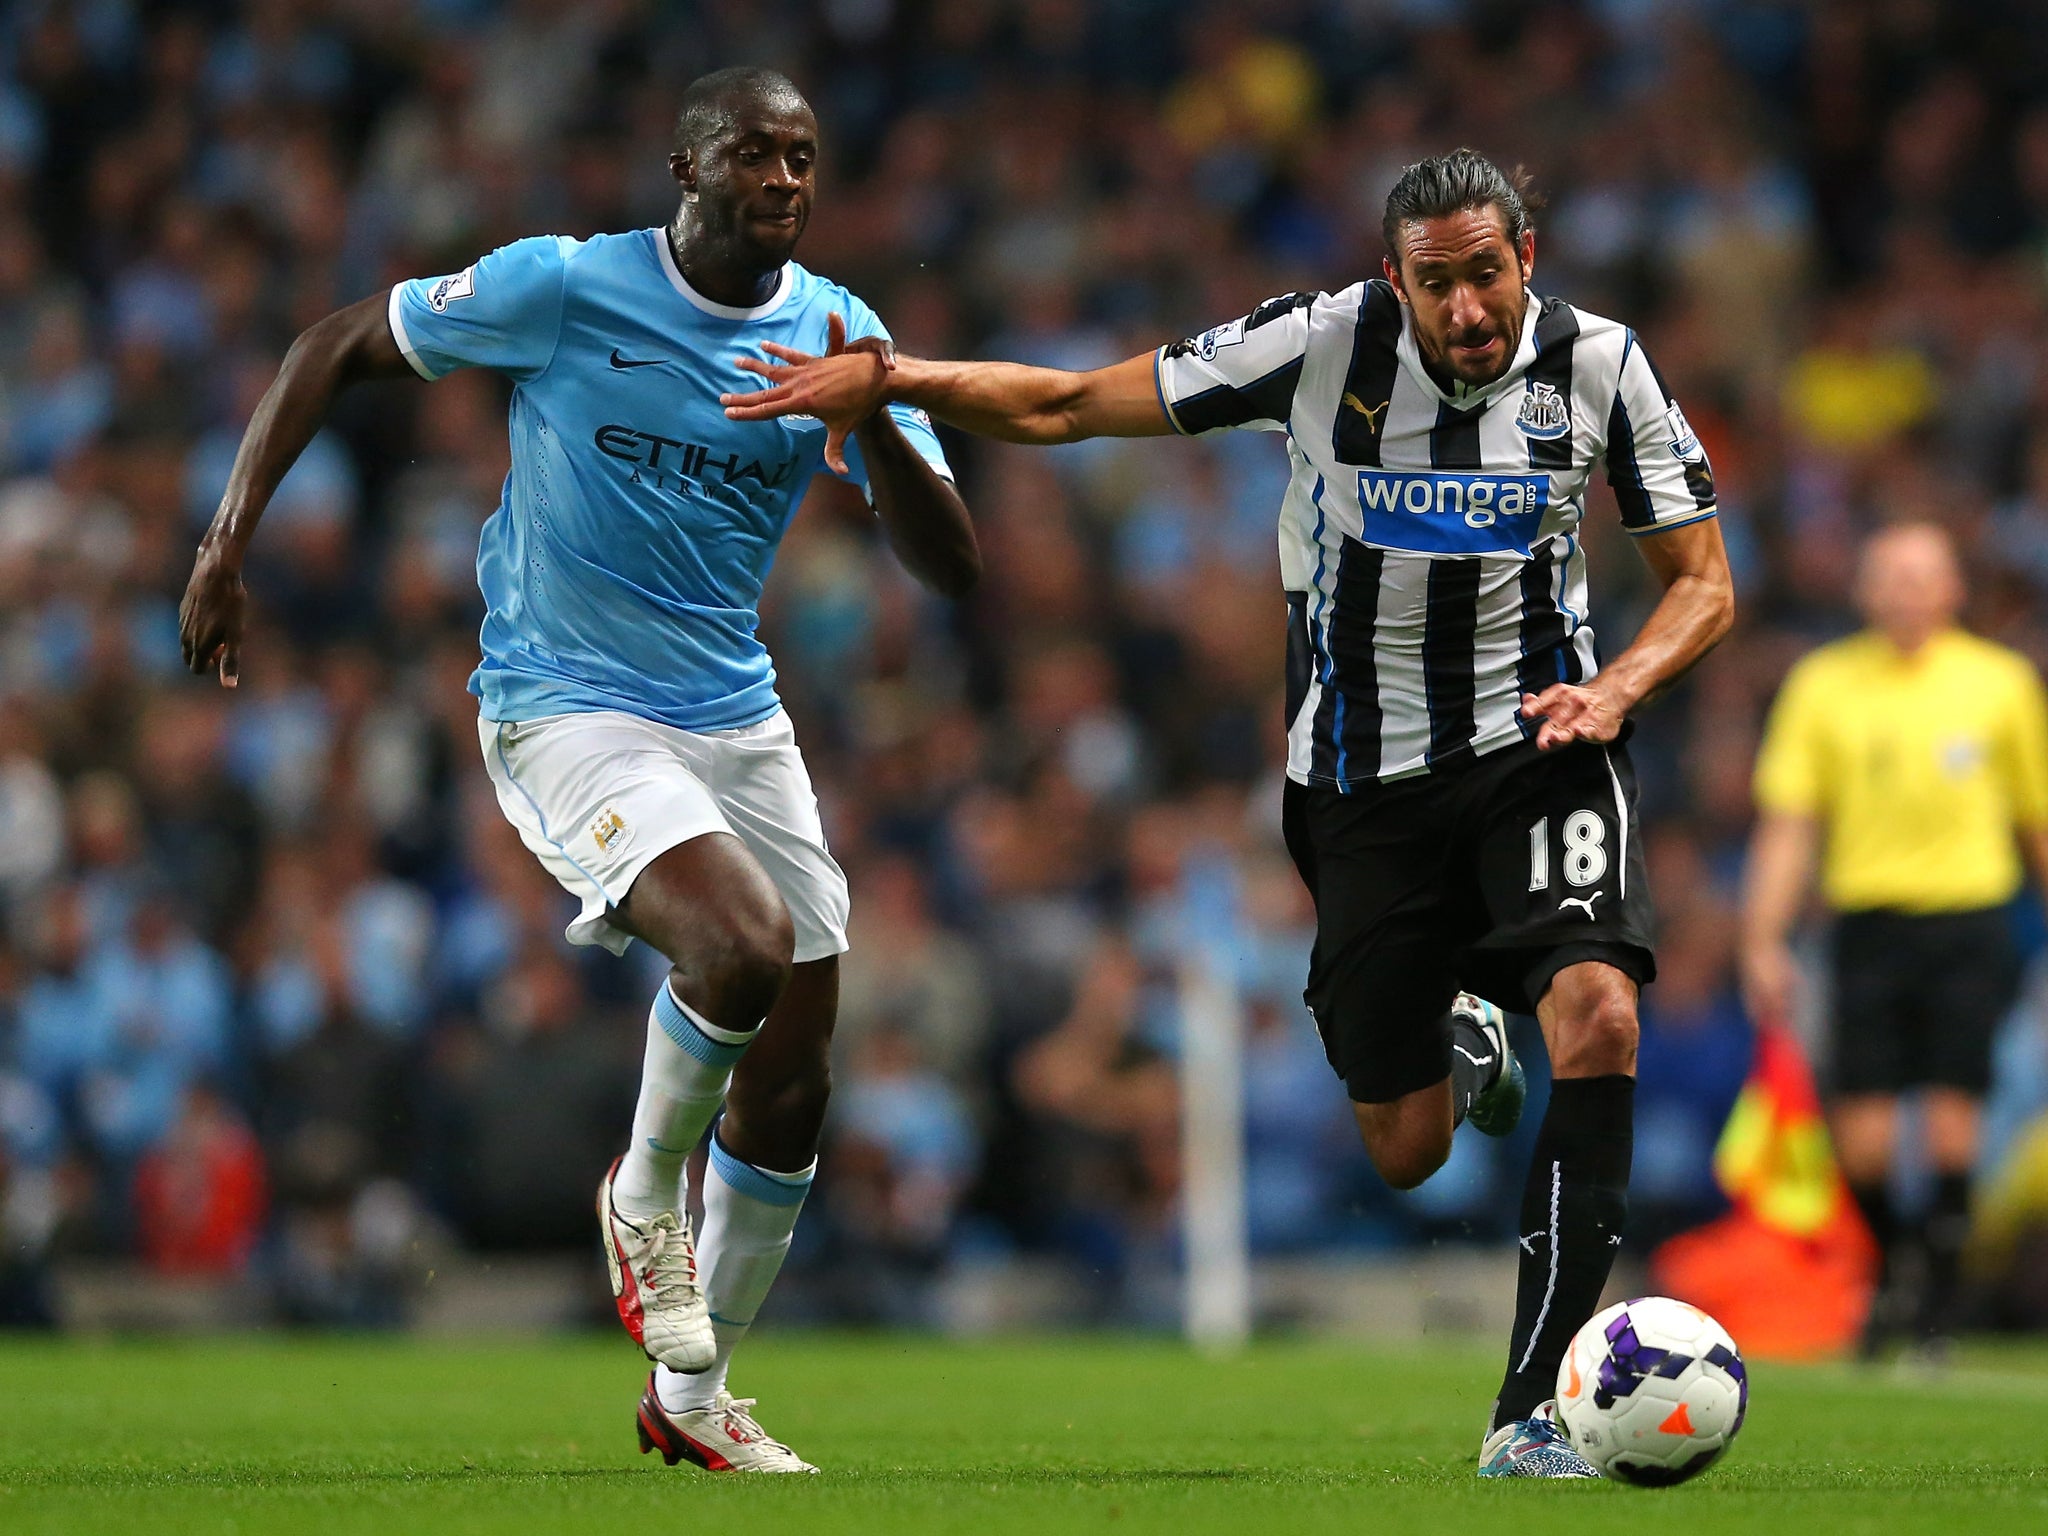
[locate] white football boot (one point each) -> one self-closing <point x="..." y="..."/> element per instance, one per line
<point x="653" y="1269"/>
<point x="722" y="1438"/>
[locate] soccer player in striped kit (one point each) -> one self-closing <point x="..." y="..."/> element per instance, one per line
<point x="1460" y="799"/>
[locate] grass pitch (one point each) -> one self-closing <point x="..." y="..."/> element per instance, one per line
<point x="922" y="1436"/>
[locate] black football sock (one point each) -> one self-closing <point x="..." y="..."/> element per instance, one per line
<point x="1874" y="1199"/>
<point x="1573" y="1210"/>
<point x="1946" y="1233"/>
<point x="1475" y="1065"/>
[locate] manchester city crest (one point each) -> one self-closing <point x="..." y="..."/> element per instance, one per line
<point x="1544" y="414"/>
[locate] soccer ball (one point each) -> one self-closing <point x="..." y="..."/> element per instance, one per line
<point x="1652" y="1391"/>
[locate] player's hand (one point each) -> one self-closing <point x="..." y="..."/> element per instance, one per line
<point x="212" y="615"/>
<point x="1770" y="982"/>
<point x="843" y="389"/>
<point x="1573" y="712"/>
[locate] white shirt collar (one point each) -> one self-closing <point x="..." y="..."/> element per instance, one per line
<point x="1462" y="396"/>
<point x="681" y="284"/>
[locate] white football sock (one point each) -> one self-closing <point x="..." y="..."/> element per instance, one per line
<point x="749" y="1214"/>
<point x="682" y="1083"/>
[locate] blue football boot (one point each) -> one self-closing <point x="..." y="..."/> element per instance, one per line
<point x="1496" y="1111"/>
<point x="1533" y="1447"/>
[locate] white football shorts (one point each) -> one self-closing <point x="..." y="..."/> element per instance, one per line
<point x="599" y="796"/>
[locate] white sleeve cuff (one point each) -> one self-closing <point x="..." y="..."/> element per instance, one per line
<point x="1700" y="516"/>
<point x="398" y="334"/>
<point x="943" y="471"/>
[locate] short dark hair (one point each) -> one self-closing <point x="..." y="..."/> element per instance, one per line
<point x="1446" y="184"/>
<point x="708" y="100"/>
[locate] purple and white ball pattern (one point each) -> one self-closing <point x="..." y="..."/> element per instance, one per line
<point x="1652" y="1391"/>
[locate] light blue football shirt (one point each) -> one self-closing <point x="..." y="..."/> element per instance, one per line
<point x="623" y="567"/>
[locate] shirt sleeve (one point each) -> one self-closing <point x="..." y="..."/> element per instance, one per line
<point x="1242" y="374"/>
<point x="1655" y="463"/>
<point x="504" y="312"/>
<point x="915" y="424"/>
<point x="1791" y="762"/>
<point x="2027" y="750"/>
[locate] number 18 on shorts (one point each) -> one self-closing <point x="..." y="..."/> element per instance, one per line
<point x="1579" y="858"/>
<point x="1488" y="877"/>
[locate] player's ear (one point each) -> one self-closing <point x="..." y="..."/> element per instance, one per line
<point x="1525" y="252"/>
<point x="682" y="165"/>
<point x="1394" y="276"/>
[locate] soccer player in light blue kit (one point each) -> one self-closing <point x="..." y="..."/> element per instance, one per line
<point x="628" y="713"/>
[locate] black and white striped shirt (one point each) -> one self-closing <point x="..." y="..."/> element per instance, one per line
<point x="1427" y="538"/>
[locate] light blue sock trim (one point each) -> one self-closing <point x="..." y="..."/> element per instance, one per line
<point x="760" y="1184"/>
<point x="679" y="1027"/>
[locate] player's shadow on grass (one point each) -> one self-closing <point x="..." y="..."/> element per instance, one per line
<point x="127" y="1479"/>
<point x="107" y="1478"/>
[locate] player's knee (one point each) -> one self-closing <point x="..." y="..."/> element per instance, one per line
<point x="1611" y="1035"/>
<point x="749" y="962"/>
<point x="1408" y="1138"/>
<point x="1401" y="1156"/>
<point x="1407" y="1167"/>
<point x="1597" y="1029"/>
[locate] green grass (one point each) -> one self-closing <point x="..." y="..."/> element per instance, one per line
<point x="986" y="1439"/>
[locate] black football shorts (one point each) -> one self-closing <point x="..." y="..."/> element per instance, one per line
<point x="1919" y="998"/>
<point x="1489" y="878"/>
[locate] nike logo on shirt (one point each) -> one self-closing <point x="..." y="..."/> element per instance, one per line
<point x="634" y="362"/>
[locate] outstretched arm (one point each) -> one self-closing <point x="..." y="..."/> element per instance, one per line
<point x="1240" y="374"/>
<point x="1696" y="610"/>
<point x="1021" y="404"/>
<point x="924" y="517"/>
<point x="350" y="344"/>
<point x="1011" y="401"/>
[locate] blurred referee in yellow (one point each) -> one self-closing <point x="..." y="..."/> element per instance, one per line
<point x="1912" y="759"/>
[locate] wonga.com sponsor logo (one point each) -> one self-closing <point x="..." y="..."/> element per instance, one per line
<point x="1438" y="512"/>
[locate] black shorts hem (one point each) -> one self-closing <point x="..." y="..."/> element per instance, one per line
<point x="1848" y="1084"/>
<point x="1380" y="1080"/>
<point x="1635" y="961"/>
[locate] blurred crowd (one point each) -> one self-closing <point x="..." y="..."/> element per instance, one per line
<point x="282" y="996"/>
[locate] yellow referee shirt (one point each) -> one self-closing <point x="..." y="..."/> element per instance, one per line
<point x="1919" y="768"/>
